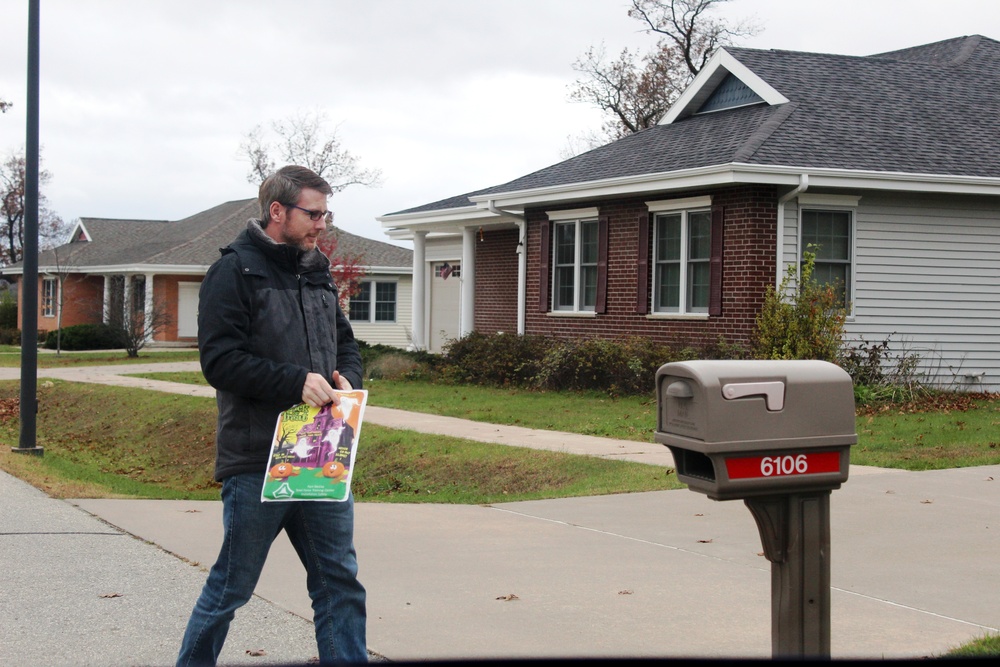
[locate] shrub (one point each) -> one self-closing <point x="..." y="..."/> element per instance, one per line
<point x="388" y="362"/>
<point x="8" y="310"/>
<point x="624" y="366"/>
<point x="393" y="366"/>
<point x="10" y="336"/>
<point x="878" y="374"/>
<point x="804" y="321"/>
<point x="495" y="359"/>
<point x="84" y="337"/>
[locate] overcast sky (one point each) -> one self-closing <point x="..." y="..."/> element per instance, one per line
<point x="144" y="104"/>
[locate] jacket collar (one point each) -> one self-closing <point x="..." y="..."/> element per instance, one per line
<point x="286" y="256"/>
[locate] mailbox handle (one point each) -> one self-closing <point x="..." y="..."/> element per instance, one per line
<point x="679" y="389"/>
<point x="773" y="392"/>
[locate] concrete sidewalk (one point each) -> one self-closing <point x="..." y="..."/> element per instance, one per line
<point x="666" y="574"/>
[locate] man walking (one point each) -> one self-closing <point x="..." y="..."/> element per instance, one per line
<point x="271" y="334"/>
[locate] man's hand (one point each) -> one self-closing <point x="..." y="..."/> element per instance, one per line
<point x="317" y="392"/>
<point x="341" y="382"/>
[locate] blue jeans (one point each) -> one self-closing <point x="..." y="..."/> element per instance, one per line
<point x="323" y="536"/>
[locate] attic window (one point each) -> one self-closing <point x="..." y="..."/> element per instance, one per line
<point x="731" y="93"/>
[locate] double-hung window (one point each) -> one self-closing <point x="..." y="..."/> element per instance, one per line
<point x="575" y="272"/>
<point x="828" y="234"/>
<point x="48" y="297"/>
<point x="682" y="254"/>
<point x="374" y="302"/>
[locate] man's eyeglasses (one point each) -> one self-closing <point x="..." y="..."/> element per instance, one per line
<point x="315" y="216"/>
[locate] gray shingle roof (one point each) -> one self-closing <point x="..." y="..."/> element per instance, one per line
<point x="193" y="241"/>
<point x="931" y="109"/>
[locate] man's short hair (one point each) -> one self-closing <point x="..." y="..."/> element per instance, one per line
<point x="285" y="185"/>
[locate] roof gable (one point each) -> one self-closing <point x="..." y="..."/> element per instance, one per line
<point x="721" y="67"/>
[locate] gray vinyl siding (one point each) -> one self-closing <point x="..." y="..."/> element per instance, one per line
<point x="927" y="276"/>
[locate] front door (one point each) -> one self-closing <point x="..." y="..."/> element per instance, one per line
<point x="187" y="310"/>
<point x="446" y="302"/>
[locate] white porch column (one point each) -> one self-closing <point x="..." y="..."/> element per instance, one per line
<point x="419" y="297"/>
<point x="467" y="316"/>
<point x="105" y="313"/>
<point x="149" y="306"/>
<point x="127" y="299"/>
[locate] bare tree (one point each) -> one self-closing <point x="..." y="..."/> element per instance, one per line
<point x="685" y="25"/>
<point x="4" y="105"/>
<point x="303" y="139"/>
<point x="635" y="90"/>
<point x="51" y="227"/>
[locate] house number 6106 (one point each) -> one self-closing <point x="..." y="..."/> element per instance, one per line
<point x="783" y="465"/>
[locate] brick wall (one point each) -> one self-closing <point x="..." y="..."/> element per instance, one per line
<point x="496" y="281"/>
<point x="84" y="296"/>
<point x="748" y="268"/>
<point x="165" y="292"/>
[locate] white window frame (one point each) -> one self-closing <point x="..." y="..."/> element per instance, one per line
<point x="836" y="204"/>
<point x="373" y="302"/>
<point x="577" y="218"/>
<point x="49" y="302"/>
<point x="684" y="208"/>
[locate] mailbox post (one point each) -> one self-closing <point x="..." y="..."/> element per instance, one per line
<point x="776" y="434"/>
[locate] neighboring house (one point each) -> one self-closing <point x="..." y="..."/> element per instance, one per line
<point x="110" y="263"/>
<point x="889" y="165"/>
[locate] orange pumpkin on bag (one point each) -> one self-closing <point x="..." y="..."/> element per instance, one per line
<point x="335" y="470"/>
<point x="283" y="471"/>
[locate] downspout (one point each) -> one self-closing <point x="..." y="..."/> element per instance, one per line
<point x="522" y="260"/>
<point x="802" y="187"/>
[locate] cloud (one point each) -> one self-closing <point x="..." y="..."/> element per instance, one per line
<point x="144" y="104"/>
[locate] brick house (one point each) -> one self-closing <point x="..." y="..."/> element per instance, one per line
<point x="887" y="165"/>
<point x="110" y="263"/>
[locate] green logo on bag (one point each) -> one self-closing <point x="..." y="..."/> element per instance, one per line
<point x="284" y="491"/>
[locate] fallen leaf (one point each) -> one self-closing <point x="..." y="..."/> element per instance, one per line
<point x="508" y="597"/>
<point x="926" y="502"/>
<point x="257" y="652"/>
<point x="699" y="514"/>
<point x="192" y="511"/>
<point x="111" y="595"/>
<point x="704" y="541"/>
<point x="627" y="591"/>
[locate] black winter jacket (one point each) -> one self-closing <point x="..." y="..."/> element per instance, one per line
<point x="267" y="315"/>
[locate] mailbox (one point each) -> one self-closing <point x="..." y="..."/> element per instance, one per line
<point x="778" y="435"/>
<point x="739" y="429"/>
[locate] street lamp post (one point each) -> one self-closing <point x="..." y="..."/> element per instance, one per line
<point x="29" y="289"/>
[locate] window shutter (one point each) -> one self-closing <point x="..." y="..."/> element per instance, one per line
<point x="602" y="265"/>
<point x="715" y="264"/>
<point x="543" y="267"/>
<point x="642" y="265"/>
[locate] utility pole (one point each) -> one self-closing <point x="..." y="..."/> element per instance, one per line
<point x="29" y="287"/>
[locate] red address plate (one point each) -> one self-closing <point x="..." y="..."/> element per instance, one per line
<point x="783" y="465"/>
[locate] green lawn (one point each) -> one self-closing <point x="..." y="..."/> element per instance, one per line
<point x="949" y="432"/>
<point x="10" y="357"/>
<point x="103" y="441"/>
